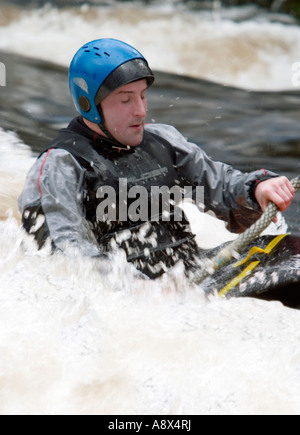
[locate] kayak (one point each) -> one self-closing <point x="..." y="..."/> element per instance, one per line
<point x="268" y="269"/>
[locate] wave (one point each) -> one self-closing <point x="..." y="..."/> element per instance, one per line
<point x="78" y="338"/>
<point x="16" y="159"/>
<point x="252" y="54"/>
<point x="84" y="337"/>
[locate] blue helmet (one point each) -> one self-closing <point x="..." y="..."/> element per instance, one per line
<point x="99" y="68"/>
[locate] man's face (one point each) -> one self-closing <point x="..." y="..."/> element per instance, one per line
<point x="125" y="113"/>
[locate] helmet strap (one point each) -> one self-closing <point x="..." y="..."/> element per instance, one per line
<point x="103" y="126"/>
<point x="107" y="133"/>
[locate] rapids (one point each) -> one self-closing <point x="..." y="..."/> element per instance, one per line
<point x="80" y="336"/>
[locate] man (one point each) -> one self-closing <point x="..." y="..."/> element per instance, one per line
<point x="99" y="185"/>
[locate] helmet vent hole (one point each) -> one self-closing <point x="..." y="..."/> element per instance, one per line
<point x="97" y="54"/>
<point x="87" y="51"/>
<point x="107" y="54"/>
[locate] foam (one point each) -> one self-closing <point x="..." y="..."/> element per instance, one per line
<point x="16" y="159"/>
<point x="79" y="339"/>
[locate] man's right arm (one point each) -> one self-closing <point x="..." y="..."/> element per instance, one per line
<point x="51" y="203"/>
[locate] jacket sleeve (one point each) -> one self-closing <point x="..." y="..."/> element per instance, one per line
<point x="229" y="193"/>
<point x="51" y="204"/>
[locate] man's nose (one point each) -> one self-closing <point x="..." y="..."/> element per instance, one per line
<point x="140" y="108"/>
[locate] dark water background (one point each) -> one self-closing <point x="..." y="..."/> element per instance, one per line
<point x="249" y="130"/>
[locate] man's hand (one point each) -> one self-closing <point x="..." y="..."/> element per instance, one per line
<point x="277" y="190"/>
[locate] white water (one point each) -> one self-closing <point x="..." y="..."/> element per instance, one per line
<point x="81" y="337"/>
<point x="253" y="54"/>
<point x="15" y="161"/>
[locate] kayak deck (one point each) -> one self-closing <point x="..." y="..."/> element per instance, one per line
<point x="273" y="275"/>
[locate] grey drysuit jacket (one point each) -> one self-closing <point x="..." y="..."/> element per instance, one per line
<point x="53" y="196"/>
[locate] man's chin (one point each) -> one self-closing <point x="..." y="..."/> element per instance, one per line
<point x="135" y="138"/>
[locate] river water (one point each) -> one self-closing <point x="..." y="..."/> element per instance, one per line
<point x="81" y="337"/>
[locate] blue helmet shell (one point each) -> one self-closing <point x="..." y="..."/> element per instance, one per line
<point x="100" y="67"/>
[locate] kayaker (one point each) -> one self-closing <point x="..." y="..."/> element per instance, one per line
<point x="98" y="185"/>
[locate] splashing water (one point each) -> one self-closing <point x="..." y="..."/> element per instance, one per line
<point x="79" y="336"/>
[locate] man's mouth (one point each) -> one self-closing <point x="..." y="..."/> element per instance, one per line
<point x="137" y="126"/>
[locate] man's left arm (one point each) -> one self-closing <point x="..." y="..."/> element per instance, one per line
<point x="235" y="197"/>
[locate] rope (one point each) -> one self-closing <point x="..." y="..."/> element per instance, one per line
<point x="225" y="255"/>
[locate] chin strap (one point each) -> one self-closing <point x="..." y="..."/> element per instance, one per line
<point x="115" y="144"/>
<point x="106" y="132"/>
